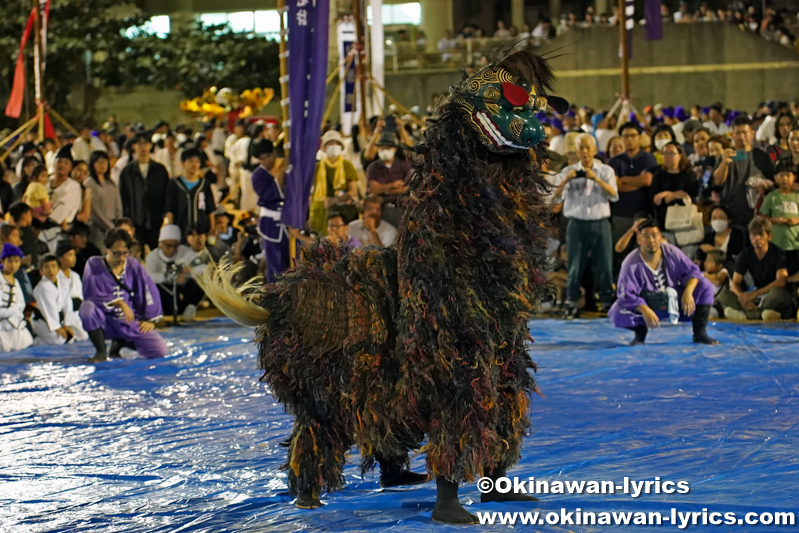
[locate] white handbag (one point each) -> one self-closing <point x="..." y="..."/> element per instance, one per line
<point x="679" y="217"/>
<point x="695" y="232"/>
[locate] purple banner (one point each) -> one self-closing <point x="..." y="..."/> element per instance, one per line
<point x="654" y="21"/>
<point x="308" y="48"/>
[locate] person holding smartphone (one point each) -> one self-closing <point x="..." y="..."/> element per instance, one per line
<point x="736" y="169"/>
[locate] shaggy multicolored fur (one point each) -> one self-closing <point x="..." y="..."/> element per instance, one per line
<point x="380" y="347"/>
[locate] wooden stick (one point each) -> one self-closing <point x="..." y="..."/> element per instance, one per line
<point x="396" y="103"/>
<point x="59" y="118"/>
<point x="625" y="60"/>
<point x="29" y="126"/>
<point x="332" y="103"/>
<point x="19" y="130"/>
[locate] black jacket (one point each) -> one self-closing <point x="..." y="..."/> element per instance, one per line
<point x="143" y="199"/>
<point x="190" y="206"/>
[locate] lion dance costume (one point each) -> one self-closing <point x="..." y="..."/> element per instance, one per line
<point x="380" y="347"/>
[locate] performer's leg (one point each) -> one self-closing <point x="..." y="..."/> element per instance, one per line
<point x="448" y="508"/>
<point x="394" y="471"/>
<point x="45" y="337"/>
<point x="640" y="331"/>
<point x="94" y="322"/>
<point x="149" y="345"/>
<point x="703" y="297"/>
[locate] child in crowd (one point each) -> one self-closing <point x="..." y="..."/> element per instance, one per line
<point x="57" y="322"/>
<point x="14" y="334"/>
<point x="781" y="207"/>
<point x="36" y="195"/>
<point x="717" y="275"/>
<point x="67" y="258"/>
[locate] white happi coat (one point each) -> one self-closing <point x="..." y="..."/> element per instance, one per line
<point x="14" y="333"/>
<point x="52" y="299"/>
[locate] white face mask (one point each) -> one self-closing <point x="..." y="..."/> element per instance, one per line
<point x="660" y="143"/>
<point x="333" y="151"/>
<point x="386" y="154"/>
<point x="718" y="225"/>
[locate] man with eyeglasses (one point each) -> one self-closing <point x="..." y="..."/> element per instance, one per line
<point x="633" y="169"/>
<point x="170" y="266"/>
<point x="121" y="302"/>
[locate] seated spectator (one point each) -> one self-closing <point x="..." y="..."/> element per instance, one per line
<point x="722" y="236"/>
<point x="781" y="208"/>
<point x="189" y="198"/>
<point x="121" y="302"/>
<point x="14" y="333"/>
<point x="657" y="282"/>
<point x="78" y="235"/>
<point x="718" y="276"/>
<point x="225" y="232"/>
<point x="138" y="251"/>
<point x="338" y="230"/>
<point x="372" y="230"/>
<point x="673" y="182"/>
<point x="169" y="266"/>
<point x="386" y="177"/>
<point x="743" y="173"/>
<point x="335" y="184"/>
<point x="26" y="166"/>
<point x="202" y="254"/>
<point x="55" y="320"/>
<point x="80" y="174"/>
<point x="447" y="45"/>
<point x="65" y="253"/>
<point x="501" y="32"/>
<point x="768" y="299"/>
<point x="22" y="217"/>
<point x="715" y="123"/>
<point x="36" y="195"/>
<point x="9" y="234"/>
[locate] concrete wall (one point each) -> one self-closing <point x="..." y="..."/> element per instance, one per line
<point x="693" y="64"/>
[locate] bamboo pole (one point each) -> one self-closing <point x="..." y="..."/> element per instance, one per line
<point x="336" y="91"/>
<point x="37" y="65"/>
<point x="29" y="126"/>
<point x="59" y="118"/>
<point x="284" y="83"/>
<point x="625" y="60"/>
<point x="401" y="107"/>
<point x="360" y="66"/>
<point x="18" y="130"/>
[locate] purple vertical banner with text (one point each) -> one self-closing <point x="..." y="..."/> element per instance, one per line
<point x="654" y="20"/>
<point x="308" y="48"/>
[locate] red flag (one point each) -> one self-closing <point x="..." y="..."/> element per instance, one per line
<point x="14" y="107"/>
<point x="49" y="131"/>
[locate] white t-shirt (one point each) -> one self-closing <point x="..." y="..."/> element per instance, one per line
<point x="385" y="231"/>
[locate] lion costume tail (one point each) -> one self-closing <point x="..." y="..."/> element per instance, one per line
<point x="235" y="302"/>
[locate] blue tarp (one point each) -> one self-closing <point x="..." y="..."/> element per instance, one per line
<point x="190" y="443"/>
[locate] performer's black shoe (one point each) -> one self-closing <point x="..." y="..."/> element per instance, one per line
<point x="448" y="508"/>
<point x="640" y="335"/>
<point x="570" y="313"/>
<point x="495" y="496"/>
<point x="403" y="477"/>
<point x="116" y="347"/>
<point x="307" y="501"/>
<point x="97" y="336"/>
<point x="700" y="320"/>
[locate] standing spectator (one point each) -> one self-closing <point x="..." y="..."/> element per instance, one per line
<point x="169" y="156"/>
<point x="587" y="188"/>
<point x="768" y="299"/>
<point x="335" y="184"/>
<point x="672" y="183"/>
<point x="121" y="302"/>
<point x="682" y="15"/>
<point x="241" y="158"/>
<point x="189" y="198"/>
<point x="781" y="208"/>
<point x="446" y="45"/>
<point x="791" y="156"/>
<point x="142" y="189"/>
<point x="372" y="230"/>
<point x="658" y="281"/>
<point x="386" y="177"/>
<point x="106" y="202"/>
<point x="502" y="32"/>
<point x="80" y="173"/>
<point x="14" y="334"/>
<point x="633" y="169"/>
<point x="65" y="201"/>
<point x="701" y="161"/>
<point x="85" y="144"/>
<point x="239" y="132"/>
<point x="716" y="124"/>
<point x="737" y="167"/>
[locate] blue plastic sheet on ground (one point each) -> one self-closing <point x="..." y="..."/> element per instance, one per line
<point x="190" y="443"/>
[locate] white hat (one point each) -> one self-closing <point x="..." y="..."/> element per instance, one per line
<point x="170" y="232"/>
<point x="332" y="136"/>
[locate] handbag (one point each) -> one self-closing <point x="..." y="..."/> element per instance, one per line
<point x="680" y="216"/>
<point x="694" y="233"/>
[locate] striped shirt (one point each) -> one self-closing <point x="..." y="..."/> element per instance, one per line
<point x="582" y="198"/>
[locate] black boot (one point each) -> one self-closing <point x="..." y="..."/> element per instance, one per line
<point x="394" y="473"/>
<point x="495" y="496"/>
<point x="116" y="347"/>
<point x="701" y="317"/>
<point x="97" y="336"/>
<point x="448" y="508"/>
<point x="308" y="501"/>
<point x="640" y="334"/>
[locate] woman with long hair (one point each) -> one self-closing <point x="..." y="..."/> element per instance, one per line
<point x="29" y="162"/>
<point x="786" y="123"/>
<point x="673" y="182"/>
<point x="106" y="202"/>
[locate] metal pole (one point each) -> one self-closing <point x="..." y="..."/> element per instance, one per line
<point x="625" y="61"/>
<point x="360" y="66"/>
